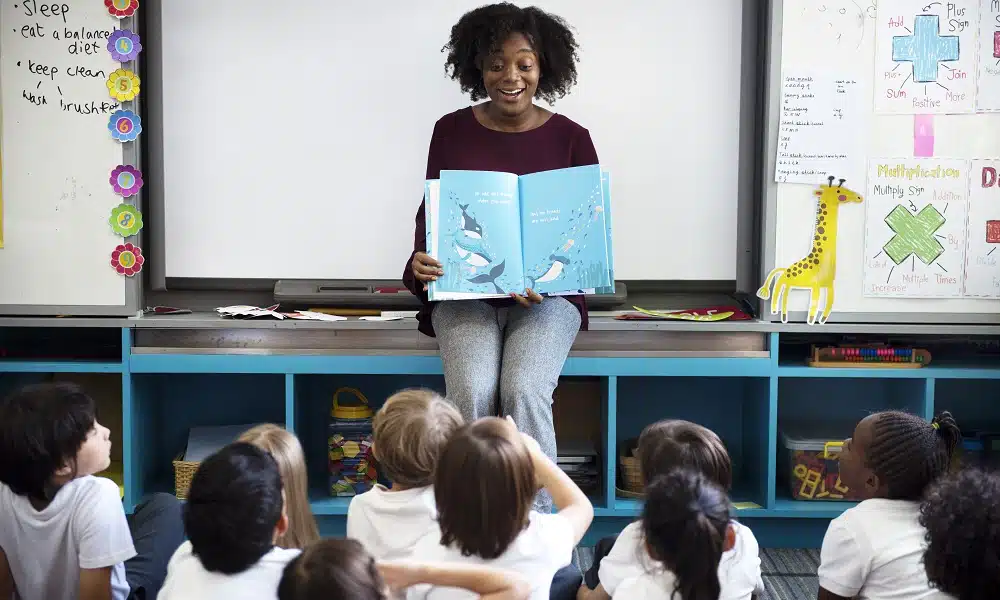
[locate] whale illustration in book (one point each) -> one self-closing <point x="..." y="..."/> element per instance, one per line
<point x="553" y="272"/>
<point x="491" y="277"/>
<point x="470" y="227"/>
<point x="471" y="250"/>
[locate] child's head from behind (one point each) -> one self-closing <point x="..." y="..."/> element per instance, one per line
<point x="235" y="508"/>
<point x="672" y="444"/>
<point x="410" y="431"/>
<point x="896" y="455"/>
<point x="484" y="487"/>
<point x="686" y="526"/>
<point x="286" y="450"/>
<point x="48" y="436"/>
<point x="961" y="514"/>
<point x="332" y="569"/>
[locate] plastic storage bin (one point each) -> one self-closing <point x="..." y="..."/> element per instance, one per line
<point x="351" y="461"/>
<point x="812" y="457"/>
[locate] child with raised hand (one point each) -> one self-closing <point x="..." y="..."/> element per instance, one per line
<point x="235" y="513"/>
<point x="409" y="431"/>
<point x="286" y="450"/>
<point x="874" y="551"/>
<point x="961" y="514"/>
<point x="63" y="532"/>
<point x="341" y="569"/>
<point x="484" y="487"/>
<point x="686" y="527"/>
<point x="664" y="447"/>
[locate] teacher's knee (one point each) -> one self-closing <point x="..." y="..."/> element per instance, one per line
<point x="524" y="393"/>
<point x="471" y="392"/>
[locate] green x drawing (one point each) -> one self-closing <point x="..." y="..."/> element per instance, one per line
<point x="914" y="234"/>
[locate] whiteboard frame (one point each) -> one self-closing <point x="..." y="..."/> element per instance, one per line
<point x="131" y="154"/>
<point x="771" y="39"/>
<point x="750" y="124"/>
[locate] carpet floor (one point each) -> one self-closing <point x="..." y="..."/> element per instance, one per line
<point x="789" y="574"/>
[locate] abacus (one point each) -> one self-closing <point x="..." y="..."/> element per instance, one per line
<point x="869" y="356"/>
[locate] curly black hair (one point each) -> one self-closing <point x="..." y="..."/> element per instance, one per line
<point x="908" y="453"/>
<point x="482" y="31"/>
<point x="962" y="516"/>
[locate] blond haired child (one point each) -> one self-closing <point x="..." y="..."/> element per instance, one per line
<point x="410" y="430"/>
<point x="485" y="485"/>
<point x="286" y="450"/>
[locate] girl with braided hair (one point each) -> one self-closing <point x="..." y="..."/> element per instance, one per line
<point x="874" y="551"/>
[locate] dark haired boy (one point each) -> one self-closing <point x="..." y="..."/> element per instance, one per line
<point x="235" y="512"/>
<point x="64" y="533"/>
<point x="663" y="447"/>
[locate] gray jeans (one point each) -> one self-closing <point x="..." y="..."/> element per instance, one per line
<point x="512" y="354"/>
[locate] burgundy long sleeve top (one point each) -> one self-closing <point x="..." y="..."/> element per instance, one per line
<point x="461" y="142"/>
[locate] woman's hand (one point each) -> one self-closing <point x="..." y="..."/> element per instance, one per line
<point x="529" y="298"/>
<point x="425" y="268"/>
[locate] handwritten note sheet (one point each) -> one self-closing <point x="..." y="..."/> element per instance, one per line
<point x="820" y="129"/>
<point x="982" y="256"/>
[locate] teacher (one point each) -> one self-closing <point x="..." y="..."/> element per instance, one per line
<point x="507" y="349"/>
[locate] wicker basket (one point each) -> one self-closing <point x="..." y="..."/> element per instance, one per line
<point x="183" y="472"/>
<point x="631" y="475"/>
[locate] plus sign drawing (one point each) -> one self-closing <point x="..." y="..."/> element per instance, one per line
<point x="925" y="56"/>
<point x="925" y="48"/>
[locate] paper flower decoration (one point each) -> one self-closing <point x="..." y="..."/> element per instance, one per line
<point x="126" y="220"/>
<point x="124" y="125"/>
<point x="127" y="259"/>
<point x="124" y="45"/>
<point x="126" y="180"/>
<point x="123" y="85"/>
<point x="122" y="8"/>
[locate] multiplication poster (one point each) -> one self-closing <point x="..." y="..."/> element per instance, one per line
<point x="982" y="257"/>
<point x="925" y="56"/>
<point x="915" y="227"/>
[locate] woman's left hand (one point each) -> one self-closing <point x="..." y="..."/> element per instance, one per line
<point x="529" y="298"/>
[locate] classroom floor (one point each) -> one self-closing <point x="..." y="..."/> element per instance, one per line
<point x="788" y="574"/>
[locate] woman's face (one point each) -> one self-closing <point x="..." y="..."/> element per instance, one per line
<point x="511" y="75"/>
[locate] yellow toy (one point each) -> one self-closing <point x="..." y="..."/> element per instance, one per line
<point x="817" y="271"/>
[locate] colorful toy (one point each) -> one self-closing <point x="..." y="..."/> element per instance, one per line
<point x="351" y="459"/>
<point x="872" y="355"/>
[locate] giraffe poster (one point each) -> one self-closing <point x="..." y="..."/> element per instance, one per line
<point x="817" y="271"/>
<point x="925" y="56"/>
<point x="915" y="227"/>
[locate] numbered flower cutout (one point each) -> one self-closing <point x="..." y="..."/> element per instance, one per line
<point x="126" y="220"/>
<point x="127" y="259"/>
<point x="124" y="125"/>
<point x="124" y="45"/>
<point x="123" y="85"/>
<point x="121" y="8"/>
<point x="126" y="180"/>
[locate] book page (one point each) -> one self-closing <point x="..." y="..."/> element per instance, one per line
<point x="564" y="231"/>
<point x="477" y="235"/>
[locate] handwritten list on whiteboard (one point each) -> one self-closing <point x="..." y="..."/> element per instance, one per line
<point x="820" y="129"/>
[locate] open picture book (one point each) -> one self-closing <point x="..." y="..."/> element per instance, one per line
<point x="498" y="233"/>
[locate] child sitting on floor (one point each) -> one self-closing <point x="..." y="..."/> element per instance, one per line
<point x="962" y="516"/>
<point x="874" y="551"/>
<point x="686" y="527"/>
<point x="485" y="484"/>
<point x="409" y="433"/>
<point x="234" y="514"/>
<point x="63" y="532"/>
<point x="286" y="450"/>
<point x="335" y="569"/>
<point x="664" y="447"/>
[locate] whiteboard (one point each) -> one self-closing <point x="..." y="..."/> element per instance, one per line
<point x="295" y="134"/>
<point x="56" y="161"/>
<point x="838" y="36"/>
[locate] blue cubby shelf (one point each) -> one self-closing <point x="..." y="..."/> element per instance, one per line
<point x="152" y="397"/>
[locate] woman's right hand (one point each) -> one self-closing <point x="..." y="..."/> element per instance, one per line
<point x="425" y="268"/>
